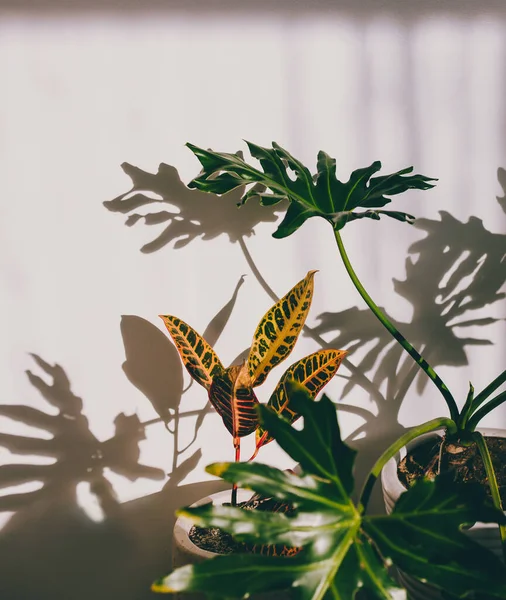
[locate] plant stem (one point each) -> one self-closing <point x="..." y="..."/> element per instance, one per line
<point x="492" y="482"/>
<point x="410" y="435"/>
<point x="237" y="446"/>
<point x="490" y="389"/>
<point x="484" y="410"/>
<point x="389" y="326"/>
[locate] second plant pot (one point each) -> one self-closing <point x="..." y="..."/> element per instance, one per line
<point x="486" y="534"/>
<point x="185" y="552"/>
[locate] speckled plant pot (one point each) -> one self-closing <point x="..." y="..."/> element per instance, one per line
<point x="487" y="534"/>
<point x="185" y="552"/>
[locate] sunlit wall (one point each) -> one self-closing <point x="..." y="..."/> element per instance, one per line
<point x="84" y="91"/>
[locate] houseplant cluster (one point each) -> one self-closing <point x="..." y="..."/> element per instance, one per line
<point x="344" y="551"/>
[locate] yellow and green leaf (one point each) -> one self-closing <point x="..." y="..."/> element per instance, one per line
<point x="200" y="360"/>
<point x="279" y="329"/>
<point x="232" y="395"/>
<point x="313" y="372"/>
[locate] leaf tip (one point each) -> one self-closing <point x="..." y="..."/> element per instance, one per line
<point x="217" y="469"/>
<point x="159" y="587"/>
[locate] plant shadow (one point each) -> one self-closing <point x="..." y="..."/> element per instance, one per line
<point x="186" y="214"/>
<point x="49" y="536"/>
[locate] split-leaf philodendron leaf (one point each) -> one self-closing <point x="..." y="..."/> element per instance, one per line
<point x="343" y="550"/>
<point x="320" y="195"/>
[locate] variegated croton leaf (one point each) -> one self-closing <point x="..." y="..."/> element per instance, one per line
<point x="313" y="372"/>
<point x="198" y="357"/>
<point x="320" y="195"/>
<point x="231" y="390"/>
<point x="279" y="329"/>
<point x="343" y="550"/>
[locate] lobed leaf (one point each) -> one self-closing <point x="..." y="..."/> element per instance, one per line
<point x="322" y="195"/>
<point x="200" y="360"/>
<point x="279" y="329"/>
<point x="343" y="551"/>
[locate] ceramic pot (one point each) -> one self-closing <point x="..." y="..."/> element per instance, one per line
<point x="185" y="552"/>
<point x="487" y="534"/>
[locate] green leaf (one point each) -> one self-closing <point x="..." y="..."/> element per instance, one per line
<point x="317" y="446"/>
<point x="343" y="551"/>
<point x="323" y="195"/>
<point x="423" y="537"/>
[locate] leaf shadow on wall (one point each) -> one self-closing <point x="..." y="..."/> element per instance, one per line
<point x="459" y="269"/>
<point x="187" y="214"/>
<point x="49" y="535"/>
<point x="456" y="269"/>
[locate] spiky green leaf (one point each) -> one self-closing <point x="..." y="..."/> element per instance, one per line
<point x="283" y="177"/>
<point x="343" y="551"/>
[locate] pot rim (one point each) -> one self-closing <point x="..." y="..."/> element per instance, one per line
<point x="390" y="483"/>
<point x="183" y="524"/>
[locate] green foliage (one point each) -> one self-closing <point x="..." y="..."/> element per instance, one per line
<point x="343" y="550"/>
<point x="320" y="195"/>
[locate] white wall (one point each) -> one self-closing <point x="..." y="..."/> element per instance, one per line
<point x="83" y="92"/>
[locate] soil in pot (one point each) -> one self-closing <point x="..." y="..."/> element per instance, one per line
<point x="215" y="540"/>
<point x="462" y="460"/>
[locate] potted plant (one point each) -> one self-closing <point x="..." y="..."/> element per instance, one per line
<point x="344" y="550"/>
<point x="339" y="203"/>
<point x="231" y="390"/>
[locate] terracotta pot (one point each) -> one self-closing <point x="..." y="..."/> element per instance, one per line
<point x="487" y="534"/>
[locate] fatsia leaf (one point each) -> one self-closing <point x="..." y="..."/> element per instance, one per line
<point x="279" y="329"/>
<point x="313" y="372"/>
<point x="343" y="551"/>
<point x="198" y="357"/>
<point x="232" y="395"/>
<point x="423" y="537"/>
<point x="322" y="195"/>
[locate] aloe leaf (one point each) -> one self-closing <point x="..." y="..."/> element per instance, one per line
<point x="279" y="329"/>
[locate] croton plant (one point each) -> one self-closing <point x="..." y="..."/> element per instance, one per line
<point x="231" y="390"/>
<point x="344" y="551"/>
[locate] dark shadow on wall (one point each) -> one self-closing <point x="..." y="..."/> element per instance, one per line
<point x="186" y="214"/>
<point x="456" y="269"/>
<point x="50" y="549"/>
<point x="364" y="8"/>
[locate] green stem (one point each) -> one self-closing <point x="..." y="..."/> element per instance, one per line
<point x="484" y="410"/>
<point x="492" y="482"/>
<point x="465" y="413"/>
<point x="391" y="451"/>
<point x="416" y="356"/>
<point x="490" y="389"/>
